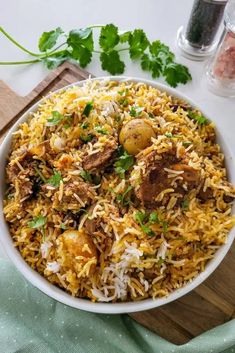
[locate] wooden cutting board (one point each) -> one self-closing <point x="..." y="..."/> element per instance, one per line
<point x="210" y="304"/>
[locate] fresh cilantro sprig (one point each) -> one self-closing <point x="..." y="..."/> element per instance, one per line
<point x="55" y="179"/>
<point x="37" y="222"/>
<point x="124" y="198"/>
<point x="124" y="162"/>
<point x="78" y="46"/>
<point x="146" y="220"/>
<point x="200" y="119"/>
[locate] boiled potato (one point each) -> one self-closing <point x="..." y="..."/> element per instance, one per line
<point x="78" y="243"/>
<point x="136" y="135"/>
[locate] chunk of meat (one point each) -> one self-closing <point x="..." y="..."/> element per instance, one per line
<point x="79" y="247"/>
<point x="155" y="179"/>
<point x="21" y="165"/>
<point x="100" y="159"/>
<point x="92" y="225"/>
<point x="205" y="195"/>
<point x="25" y="188"/>
<point x="73" y="196"/>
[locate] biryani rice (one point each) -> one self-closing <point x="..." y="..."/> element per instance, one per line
<point x="127" y="263"/>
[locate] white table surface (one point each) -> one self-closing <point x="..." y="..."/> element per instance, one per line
<point x="25" y="20"/>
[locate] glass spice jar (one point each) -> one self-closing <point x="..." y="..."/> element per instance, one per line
<point x="198" y="40"/>
<point x="221" y="68"/>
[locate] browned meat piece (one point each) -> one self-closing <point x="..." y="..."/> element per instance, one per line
<point x="21" y="165"/>
<point x="155" y="179"/>
<point x="205" y="195"/>
<point x="75" y="195"/>
<point x="25" y="188"/>
<point x="228" y="198"/>
<point x="100" y="159"/>
<point x="92" y="225"/>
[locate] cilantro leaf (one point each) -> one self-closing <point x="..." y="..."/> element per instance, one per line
<point x="55" y="179"/>
<point x="140" y="217"/>
<point x="153" y="217"/>
<point x="187" y="143"/>
<point x="138" y="42"/>
<point x="156" y="68"/>
<point x="84" y="125"/>
<point x="154" y="65"/>
<point x="82" y="55"/>
<point x="86" y="138"/>
<point x="123" y="198"/>
<point x="48" y="39"/>
<point x="88" y="108"/>
<point x="37" y="222"/>
<point x="147" y="230"/>
<point x="164" y="226"/>
<point x="124" y="37"/>
<point x="82" y="44"/>
<point x="146" y="62"/>
<point x="86" y="175"/>
<point x="109" y="37"/>
<point x="81" y="38"/>
<point x="136" y="111"/>
<point x="55" y="119"/>
<point x="100" y="130"/>
<point x="161" y="52"/>
<point x="52" y="61"/>
<point x="112" y="63"/>
<point x="63" y="226"/>
<point x="201" y="119"/>
<point x="176" y="73"/>
<point x="185" y="204"/>
<point x="124" y="162"/>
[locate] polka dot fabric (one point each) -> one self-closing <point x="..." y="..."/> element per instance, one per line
<point x="31" y="322"/>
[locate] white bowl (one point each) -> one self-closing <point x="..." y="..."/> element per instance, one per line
<point x="110" y="308"/>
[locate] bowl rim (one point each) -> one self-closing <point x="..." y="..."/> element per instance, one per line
<point x="99" y="307"/>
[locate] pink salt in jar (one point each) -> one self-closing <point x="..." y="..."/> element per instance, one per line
<point x="221" y="68"/>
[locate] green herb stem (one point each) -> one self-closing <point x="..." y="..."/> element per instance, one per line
<point x="16" y="43"/>
<point x="19" y="62"/>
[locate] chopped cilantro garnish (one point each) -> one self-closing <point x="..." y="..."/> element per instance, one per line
<point x="100" y="130"/>
<point x="84" y="125"/>
<point x="55" y="119"/>
<point x="145" y="220"/>
<point x="86" y="138"/>
<point x="140" y="218"/>
<point x="86" y="175"/>
<point x="153" y="217"/>
<point x="136" y="111"/>
<point x="185" y="204"/>
<point x="40" y="175"/>
<point x="88" y="108"/>
<point x="170" y="135"/>
<point x="124" y="162"/>
<point x="55" y="179"/>
<point x="164" y="226"/>
<point x="63" y="226"/>
<point x="37" y="222"/>
<point x="160" y="261"/>
<point x="124" y="102"/>
<point x="187" y="143"/>
<point x="201" y="119"/>
<point x="123" y="199"/>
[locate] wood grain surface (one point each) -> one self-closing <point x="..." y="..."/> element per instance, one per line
<point x="210" y="304"/>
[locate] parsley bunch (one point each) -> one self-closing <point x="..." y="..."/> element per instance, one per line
<point x="78" y="46"/>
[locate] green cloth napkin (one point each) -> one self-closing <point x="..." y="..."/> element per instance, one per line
<point x="31" y="322"/>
